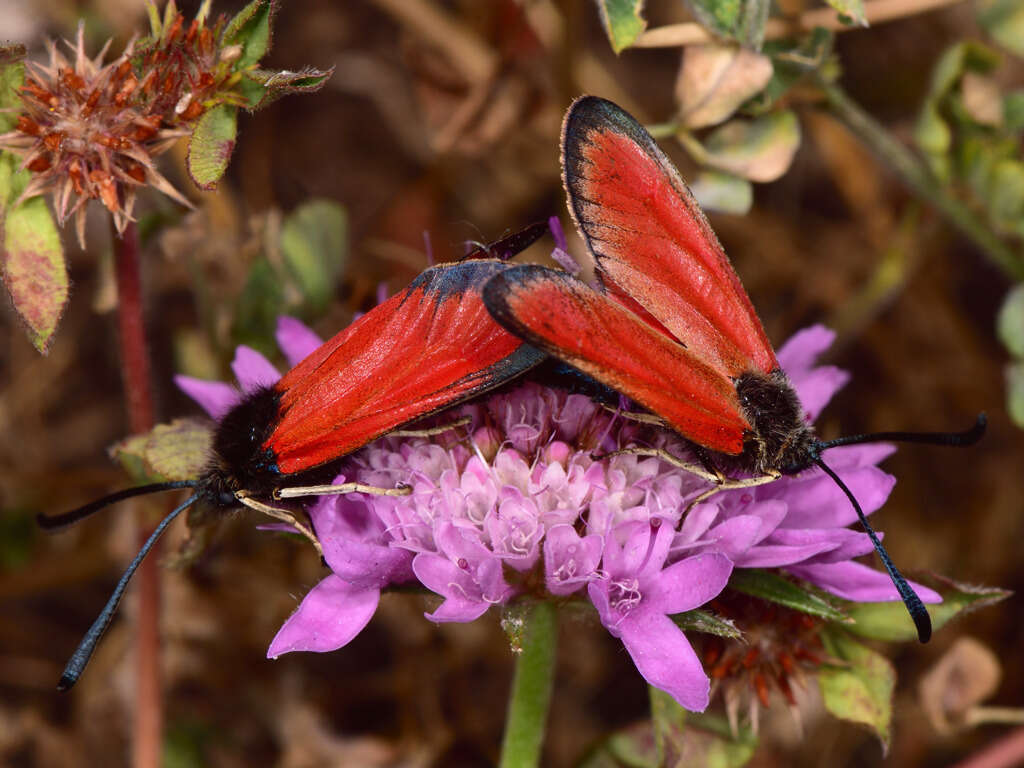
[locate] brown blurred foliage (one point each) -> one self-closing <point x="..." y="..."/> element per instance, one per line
<point x="443" y="117"/>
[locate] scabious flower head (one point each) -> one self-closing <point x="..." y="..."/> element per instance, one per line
<point x="518" y="504"/>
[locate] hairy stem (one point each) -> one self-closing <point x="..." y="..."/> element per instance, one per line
<point x="531" y="690"/>
<point x="147" y="722"/>
<point x="920" y="180"/>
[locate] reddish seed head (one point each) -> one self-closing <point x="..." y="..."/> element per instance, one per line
<point x="71" y="80"/>
<point x="761" y="689"/>
<point x="52" y="141"/>
<point x="192" y="111"/>
<point x="137" y="172"/>
<point x="39" y="164"/>
<point x="175" y="29"/>
<point x="191" y="34"/>
<point x="28" y="125"/>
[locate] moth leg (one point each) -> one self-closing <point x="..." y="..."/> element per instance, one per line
<point x="728" y="484"/>
<point x="343" y="489"/>
<point x="642" y="418"/>
<point x="693" y="469"/>
<point x="430" y="432"/>
<point x="283" y="515"/>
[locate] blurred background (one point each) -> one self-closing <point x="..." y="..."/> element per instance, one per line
<point x="440" y="127"/>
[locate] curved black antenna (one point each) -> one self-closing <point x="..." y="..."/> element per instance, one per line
<point x="85" y="649"/>
<point x="67" y="518"/>
<point x="914" y="605"/>
<point x="954" y="439"/>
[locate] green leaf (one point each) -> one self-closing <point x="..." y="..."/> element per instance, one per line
<point x="720" y="16"/>
<point x="623" y="21"/>
<point x="1013" y="112"/>
<point x="211" y="145"/>
<point x="1006" y="193"/>
<point x="12" y="75"/>
<point x="774" y="588"/>
<point x="760" y="149"/>
<point x="753" y="19"/>
<point x="314" y="243"/>
<point x="1015" y="392"/>
<point x="681" y="744"/>
<point x="791" y="65"/>
<point x="850" y="11"/>
<point x="34" y="271"/>
<point x="861" y="690"/>
<point x="1004" y="20"/>
<point x="703" y="621"/>
<point x="261" y="301"/>
<point x="891" y="623"/>
<point x="252" y="29"/>
<point x="261" y="87"/>
<point x="723" y="192"/>
<point x="176" y="451"/>
<point x="716" y="79"/>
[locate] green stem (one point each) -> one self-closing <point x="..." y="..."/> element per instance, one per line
<point x="531" y="689"/>
<point x="920" y="180"/>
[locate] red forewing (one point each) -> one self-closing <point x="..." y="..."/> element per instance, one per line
<point x="651" y="240"/>
<point x="592" y="332"/>
<point x="422" y="350"/>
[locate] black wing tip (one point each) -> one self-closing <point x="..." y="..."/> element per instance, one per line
<point x="590" y="112"/>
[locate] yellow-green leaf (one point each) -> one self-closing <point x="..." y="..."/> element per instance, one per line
<point x="623" y="21"/>
<point x="891" y="623"/>
<point x="251" y="28"/>
<point x="861" y="690"/>
<point x="715" y="79"/>
<point x="760" y="149"/>
<point x="850" y="11"/>
<point x="717" y="191"/>
<point x="211" y="145"/>
<point x="314" y="243"/>
<point x="34" y="271"/>
<point x="176" y="451"/>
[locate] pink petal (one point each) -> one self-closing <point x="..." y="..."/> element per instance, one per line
<point x="803" y="348"/>
<point x="295" y="339"/>
<point x="665" y="658"/>
<point x="858" y="582"/>
<point x="253" y="370"/>
<point x="214" y="397"/>
<point x="689" y="583"/>
<point x="817" y="387"/>
<point x="329" y="617"/>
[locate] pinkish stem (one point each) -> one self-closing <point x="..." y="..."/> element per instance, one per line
<point x="135" y="368"/>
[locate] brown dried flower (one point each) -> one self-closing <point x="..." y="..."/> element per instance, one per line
<point x="91" y="131"/>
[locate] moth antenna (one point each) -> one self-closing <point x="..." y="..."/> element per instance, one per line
<point x="85" y="649"/>
<point x="50" y="522"/>
<point x="954" y="439"/>
<point x="914" y="605"/>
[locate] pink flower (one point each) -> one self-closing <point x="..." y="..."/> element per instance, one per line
<point x="514" y="505"/>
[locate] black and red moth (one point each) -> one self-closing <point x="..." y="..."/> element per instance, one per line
<point x="419" y="352"/>
<point x="669" y="323"/>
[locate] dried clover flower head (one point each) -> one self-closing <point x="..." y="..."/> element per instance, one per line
<point x="91" y="131"/>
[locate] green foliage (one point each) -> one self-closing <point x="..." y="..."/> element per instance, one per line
<point x="760" y="149"/>
<point x="297" y="275"/>
<point x="723" y="192"/>
<point x="176" y="451"/>
<point x="891" y="623"/>
<point x="770" y="586"/>
<point x="623" y="21"/>
<point x="34" y="271"/>
<point x="314" y="244"/>
<point x="251" y="29"/>
<point x="704" y="621"/>
<point x="860" y="688"/>
<point x="211" y="145"/>
<point x="1004" y="20"/>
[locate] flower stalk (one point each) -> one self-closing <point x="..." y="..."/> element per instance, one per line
<point x="531" y="688"/>
<point x="136" y="374"/>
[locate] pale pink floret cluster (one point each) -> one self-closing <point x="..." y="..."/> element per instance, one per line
<point x="515" y="504"/>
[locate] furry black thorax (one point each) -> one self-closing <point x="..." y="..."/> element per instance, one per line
<point x="781" y="439"/>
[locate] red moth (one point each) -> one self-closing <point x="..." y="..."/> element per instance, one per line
<point x="669" y="324"/>
<point x="421" y="351"/>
